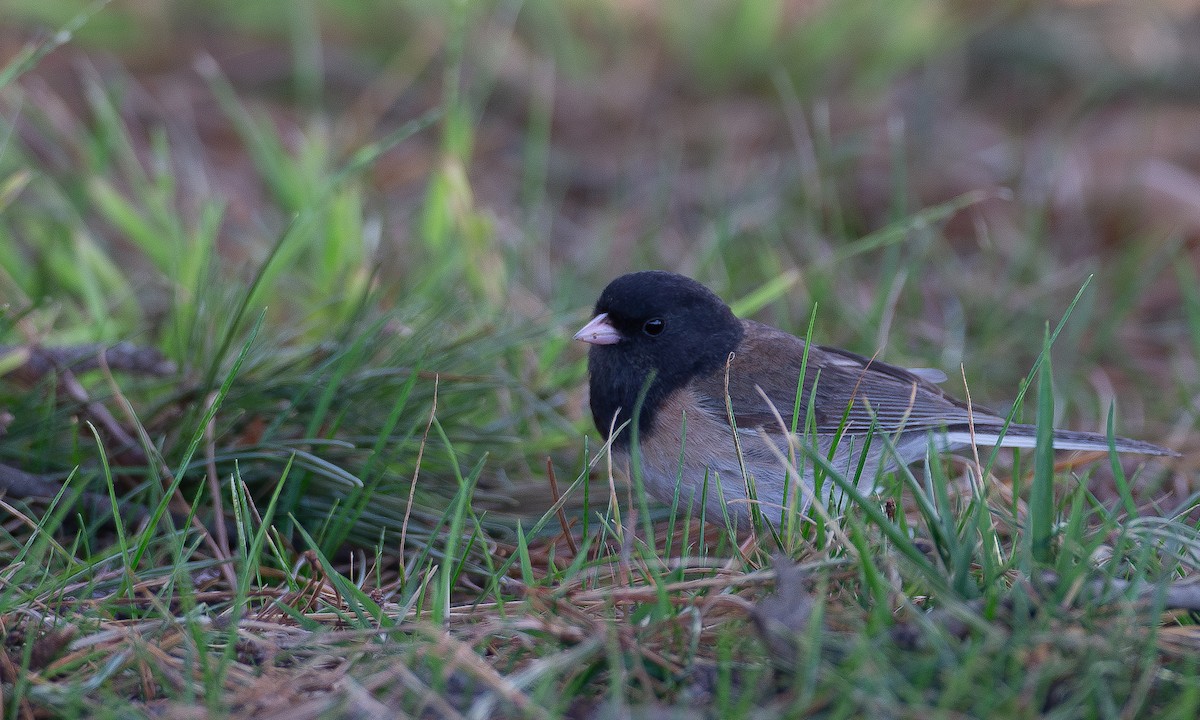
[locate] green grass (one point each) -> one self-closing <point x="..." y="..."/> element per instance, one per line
<point x="373" y="371"/>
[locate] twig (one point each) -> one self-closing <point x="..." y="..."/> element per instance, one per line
<point x="562" y="515"/>
<point x="19" y="484"/>
<point x="123" y="356"/>
<point x="99" y="413"/>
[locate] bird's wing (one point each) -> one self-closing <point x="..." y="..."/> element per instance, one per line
<point x="849" y="388"/>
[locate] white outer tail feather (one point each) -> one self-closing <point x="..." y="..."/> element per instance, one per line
<point x="1025" y="436"/>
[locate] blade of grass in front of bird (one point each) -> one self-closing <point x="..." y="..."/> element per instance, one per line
<point x="944" y="512"/>
<point x="678" y="483"/>
<point x="585" y="522"/>
<point x="955" y="541"/>
<point x="792" y="495"/>
<point x="926" y="496"/>
<point x="1076" y="541"/>
<point x="728" y="519"/>
<point x="635" y="460"/>
<point x="1043" y="356"/>
<point x="756" y="517"/>
<point x="873" y="579"/>
<point x="1041" y="488"/>
<point x="965" y="556"/>
<point x="1114" y="462"/>
<point x="934" y="508"/>
<point x="811" y="442"/>
<point x="990" y="559"/>
<point x="865" y="453"/>
<point x="876" y="516"/>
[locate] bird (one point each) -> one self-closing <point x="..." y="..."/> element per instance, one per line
<point x="716" y="396"/>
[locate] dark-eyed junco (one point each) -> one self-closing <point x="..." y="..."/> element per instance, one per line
<point x="676" y="339"/>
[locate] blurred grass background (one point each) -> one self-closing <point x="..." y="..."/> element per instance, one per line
<point x="376" y="209"/>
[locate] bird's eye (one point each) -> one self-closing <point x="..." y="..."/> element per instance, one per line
<point x="654" y="326"/>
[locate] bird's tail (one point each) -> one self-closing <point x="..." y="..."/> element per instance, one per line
<point x="1025" y="436"/>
